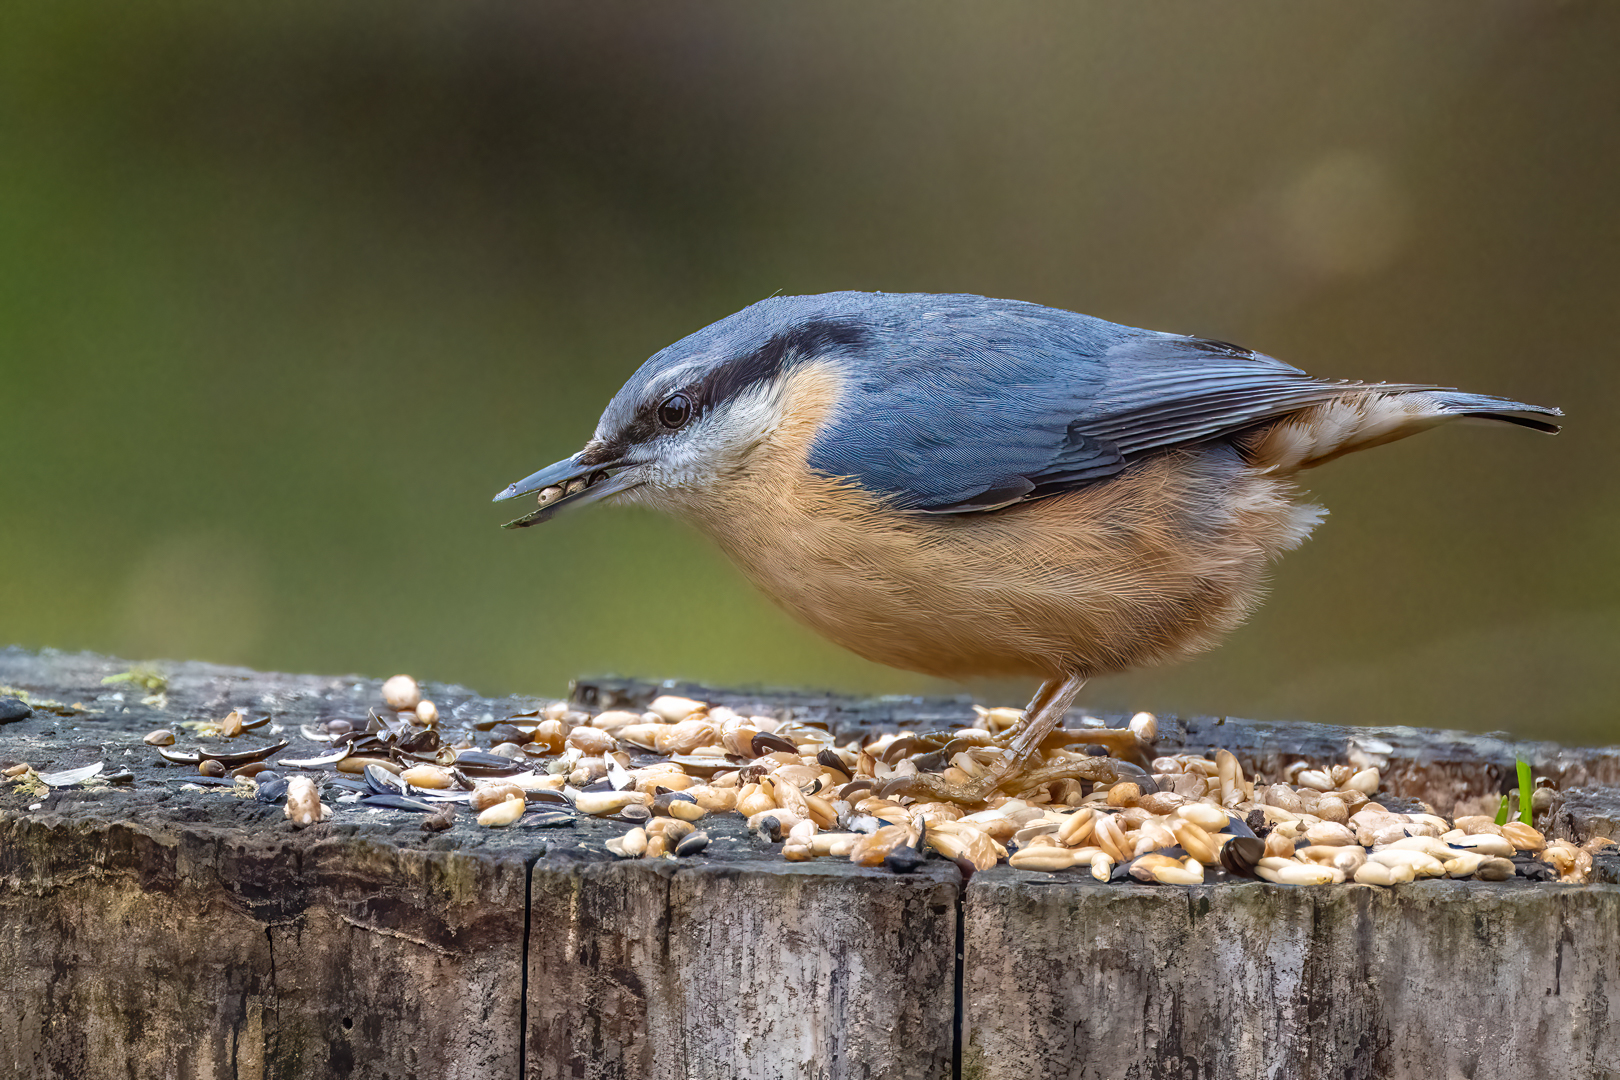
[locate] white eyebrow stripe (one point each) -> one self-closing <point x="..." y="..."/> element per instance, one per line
<point x="677" y="377"/>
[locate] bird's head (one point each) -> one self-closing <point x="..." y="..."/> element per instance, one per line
<point x="688" y="421"/>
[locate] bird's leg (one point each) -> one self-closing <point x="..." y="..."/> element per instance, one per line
<point x="1046" y="708"/>
<point x="1051" y="701"/>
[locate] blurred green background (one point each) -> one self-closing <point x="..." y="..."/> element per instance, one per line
<point x="289" y="290"/>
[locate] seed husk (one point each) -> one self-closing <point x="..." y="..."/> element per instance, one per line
<point x="1230" y="773"/>
<point x="1375" y="873"/>
<point x="502" y="814"/>
<point x="230" y="760"/>
<point x="766" y="742"/>
<point x="1145" y="726"/>
<point x="664" y="800"/>
<point x="1077" y="828"/>
<point x="1161" y="803"/>
<point x="684" y="737"/>
<point x="831" y="759"/>
<point x="1212" y="819"/>
<point x="833" y="843"/>
<point x="432" y="777"/>
<point x="1241" y="854"/>
<point x="489" y="795"/>
<point x="600" y="803"/>
<point x="592" y="741"/>
<point x="1143" y="866"/>
<point x="401" y="693"/>
<point x="753" y="801"/>
<point x="1428" y="845"/>
<point x="713" y="799"/>
<point x="1332" y="809"/>
<point x="1108" y="836"/>
<point x="160" y="737"/>
<point x="773" y="825"/>
<point x="1298" y="873"/>
<point x="872" y="850"/>
<point x="1124" y="794"/>
<point x="672" y="709"/>
<point x="672" y="829"/>
<point x="1422" y="864"/>
<point x="822" y="811"/>
<point x="1316" y="779"/>
<point x="1485" y="844"/>
<point x="1349" y="859"/>
<point x="613" y="720"/>
<point x="271" y="790"/>
<point x="1196" y="842"/>
<point x="1187" y="871"/>
<point x="787" y="796"/>
<point x="303" y="806"/>
<point x="961" y="841"/>
<point x="1047" y="858"/>
<point x="686" y="811"/>
<point x="1366" y="781"/>
<point x="1523" y="837"/>
<point x="388" y="800"/>
<point x="357" y="764"/>
<point x="691" y="843"/>
<point x="1328" y="832"/>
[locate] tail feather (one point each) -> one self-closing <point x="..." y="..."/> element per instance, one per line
<point x="1371" y="416"/>
<point x="1456" y="403"/>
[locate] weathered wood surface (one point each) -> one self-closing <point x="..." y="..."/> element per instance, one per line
<point x="759" y="969"/>
<point x="148" y="931"/>
<point x="178" y="949"/>
<point x="1432" y="979"/>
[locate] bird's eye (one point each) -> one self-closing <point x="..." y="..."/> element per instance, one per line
<point x="675" y="411"/>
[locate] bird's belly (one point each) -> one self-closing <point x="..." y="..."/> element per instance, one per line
<point x="1150" y="566"/>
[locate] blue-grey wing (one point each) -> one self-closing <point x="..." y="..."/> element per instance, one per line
<point x="988" y="407"/>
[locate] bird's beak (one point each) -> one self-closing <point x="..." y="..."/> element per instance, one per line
<point x="570" y="482"/>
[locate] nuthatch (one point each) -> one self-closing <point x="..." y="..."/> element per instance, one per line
<point x="963" y="486"/>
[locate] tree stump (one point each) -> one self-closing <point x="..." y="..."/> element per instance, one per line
<point x="147" y="930"/>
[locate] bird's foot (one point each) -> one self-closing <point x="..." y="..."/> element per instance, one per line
<point x="1020" y="769"/>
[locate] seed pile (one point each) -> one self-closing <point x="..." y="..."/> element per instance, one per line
<point x="1084" y="802"/>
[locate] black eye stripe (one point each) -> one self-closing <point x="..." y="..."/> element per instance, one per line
<point x="742" y="372"/>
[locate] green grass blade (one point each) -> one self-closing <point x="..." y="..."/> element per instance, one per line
<point x="1526" y="790"/>
<point x="1502" y="812"/>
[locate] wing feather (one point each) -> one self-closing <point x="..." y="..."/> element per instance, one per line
<point x="960" y="403"/>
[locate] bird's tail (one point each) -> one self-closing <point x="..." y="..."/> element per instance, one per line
<point x="1367" y="416"/>
<point x="1485" y="407"/>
